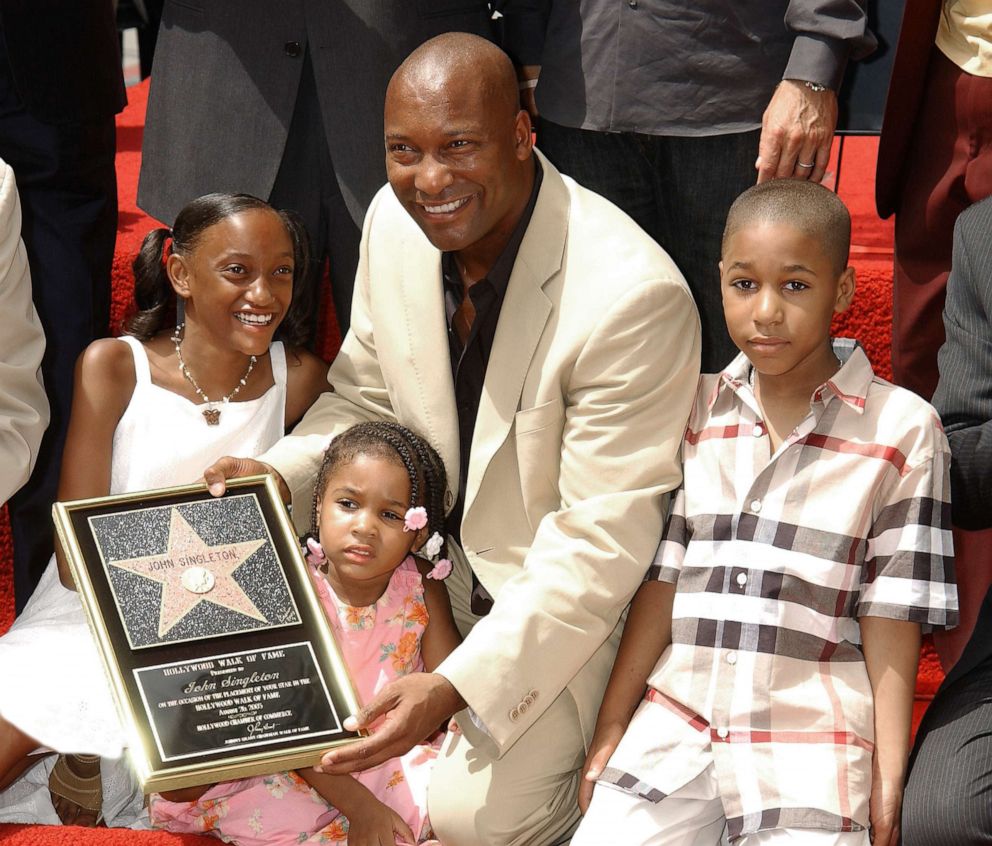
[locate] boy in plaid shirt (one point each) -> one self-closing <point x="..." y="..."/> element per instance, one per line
<point x="764" y="683"/>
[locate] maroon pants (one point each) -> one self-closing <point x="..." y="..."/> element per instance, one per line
<point x="949" y="167"/>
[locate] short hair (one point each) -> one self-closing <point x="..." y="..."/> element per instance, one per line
<point x="808" y="206"/>
<point x="394" y="442"/>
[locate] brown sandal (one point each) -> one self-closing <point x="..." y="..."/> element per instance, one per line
<point x="77" y="790"/>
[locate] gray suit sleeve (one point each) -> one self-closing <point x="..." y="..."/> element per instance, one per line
<point x="964" y="392"/>
<point x="828" y="33"/>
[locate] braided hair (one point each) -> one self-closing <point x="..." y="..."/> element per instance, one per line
<point x="379" y="439"/>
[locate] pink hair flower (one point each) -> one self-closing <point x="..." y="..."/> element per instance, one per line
<point x="441" y="570"/>
<point x="315" y="555"/>
<point x="415" y="519"/>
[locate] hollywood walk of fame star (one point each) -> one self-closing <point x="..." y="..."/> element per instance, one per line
<point x="188" y="550"/>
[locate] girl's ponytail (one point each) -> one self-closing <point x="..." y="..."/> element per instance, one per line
<point x="153" y="294"/>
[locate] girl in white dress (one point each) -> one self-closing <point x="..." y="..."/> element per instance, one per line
<point x="149" y="410"/>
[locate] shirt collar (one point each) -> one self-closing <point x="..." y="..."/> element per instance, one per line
<point x="849" y="384"/>
<point x="499" y="274"/>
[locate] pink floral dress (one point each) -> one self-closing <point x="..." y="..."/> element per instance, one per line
<point x="379" y="643"/>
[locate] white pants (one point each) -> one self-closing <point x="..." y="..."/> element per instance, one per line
<point x="692" y="816"/>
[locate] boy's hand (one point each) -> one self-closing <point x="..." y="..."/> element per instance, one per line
<point x="376" y="824"/>
<point x="603" y="744"/>
<point x="884" y="809"/>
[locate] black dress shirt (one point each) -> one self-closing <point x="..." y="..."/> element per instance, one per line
<point x="678" y="67"/>
<point x="470" y="360"/>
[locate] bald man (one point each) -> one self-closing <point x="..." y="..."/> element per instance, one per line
<point x="549" y="349"/>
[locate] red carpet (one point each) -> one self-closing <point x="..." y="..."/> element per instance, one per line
<point x="869" y="320"/>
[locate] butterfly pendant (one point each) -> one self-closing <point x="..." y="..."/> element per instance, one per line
<point x="212" y="416"/>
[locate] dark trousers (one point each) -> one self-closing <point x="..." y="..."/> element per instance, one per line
<point x="307" y="184"/>
<point x="948" y="799"/>
<point x="678" y="190"/>
<point x="68" y="187"/>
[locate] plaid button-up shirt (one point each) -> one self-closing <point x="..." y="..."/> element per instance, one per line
<point x="774" y="558"/>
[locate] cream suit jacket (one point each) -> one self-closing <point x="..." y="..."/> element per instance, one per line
<point x="23" y="405"/>
<point x="589" y="384"/>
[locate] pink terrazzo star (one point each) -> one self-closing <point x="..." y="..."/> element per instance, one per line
<point x="187" y="549"/>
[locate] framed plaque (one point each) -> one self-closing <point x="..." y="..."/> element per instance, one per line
<point x="214" y="641"/>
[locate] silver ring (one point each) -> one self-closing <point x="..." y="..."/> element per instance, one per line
<point x="803" y="164"/>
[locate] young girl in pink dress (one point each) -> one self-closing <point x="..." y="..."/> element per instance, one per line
<point x="378" y="498"/>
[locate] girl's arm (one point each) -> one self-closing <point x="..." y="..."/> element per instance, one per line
<point x="441" y="635"/>
<point x="371" y="822"/>
<point x="102" y="387"/>
<point x="892" y="652"/>
<point x="306" y="379"/>
<point x="646" y="635"/>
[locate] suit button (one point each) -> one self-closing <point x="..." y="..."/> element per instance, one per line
<point x="523" y="707"/>
<point x="533" y="694"/>
<point x="292" y="48"/>
<point x="515" y="715"/>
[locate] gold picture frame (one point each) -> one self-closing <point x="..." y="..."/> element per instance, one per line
<point x="212" y="635"/>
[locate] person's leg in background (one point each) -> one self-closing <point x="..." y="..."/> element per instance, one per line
<point x="610" y="163"/>
<point x="949" y="167"/>
<point x="948" y="798"/>
<point x="307" y="184"/>
<point x="696" y="180"/>
<point x="68" y="186"/>
<point x="678" y="190"/>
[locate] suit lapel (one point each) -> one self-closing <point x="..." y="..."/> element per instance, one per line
<point x="522" y="319"/>
<point x="423" y="340"/>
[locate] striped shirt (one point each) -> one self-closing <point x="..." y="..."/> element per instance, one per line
<point x="774" y="558"/>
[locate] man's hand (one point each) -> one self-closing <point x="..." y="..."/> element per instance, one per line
<point x="796" y="132"/>
<point x="229" y="467"/>
<point x="604" y="744"/>
<point x="412" y="708"/>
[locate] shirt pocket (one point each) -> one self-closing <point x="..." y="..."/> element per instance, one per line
<point x="537" y="436"/>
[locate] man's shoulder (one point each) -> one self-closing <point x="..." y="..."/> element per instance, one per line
<point x="604" y="243"/>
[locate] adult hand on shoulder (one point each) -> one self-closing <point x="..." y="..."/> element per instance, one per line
<point x="796" y="129"/>
<point x="603" y="745"/>
<point x="229" y="467"/>
<point x="412" y="708"/>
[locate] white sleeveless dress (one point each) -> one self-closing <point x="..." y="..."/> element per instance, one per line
<point x="52" y="683"/>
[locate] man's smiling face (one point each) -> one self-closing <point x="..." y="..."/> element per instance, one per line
<point x="453" y="158"/>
